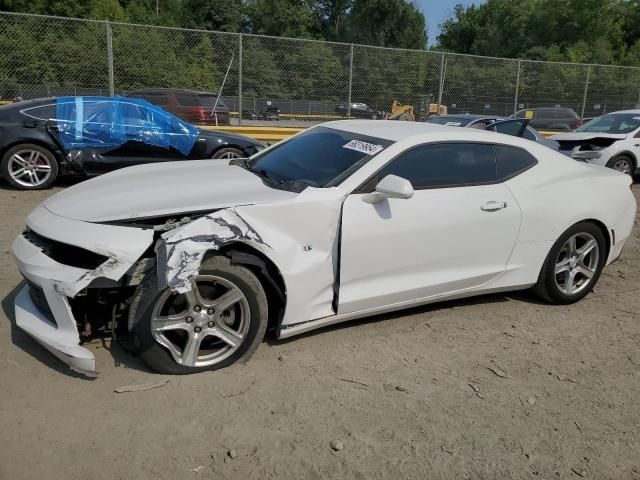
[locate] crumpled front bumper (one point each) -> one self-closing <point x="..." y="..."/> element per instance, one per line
<point x="50" y="320"/>
<point x="57" y="331"/>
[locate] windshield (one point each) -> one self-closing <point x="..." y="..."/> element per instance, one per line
<point x="612" y="123"/>
<point x="319" y="157"/>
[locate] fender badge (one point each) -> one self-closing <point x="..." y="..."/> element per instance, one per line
<point x="307" y="248"/>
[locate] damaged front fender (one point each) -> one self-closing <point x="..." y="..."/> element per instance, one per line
<point x="300" y="237"/>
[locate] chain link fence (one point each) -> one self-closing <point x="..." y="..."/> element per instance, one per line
<point x="305" y="80"/>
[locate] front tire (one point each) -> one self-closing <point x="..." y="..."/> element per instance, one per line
<point x="29" y="167"/>
<point x="622" y="163"/>
<point x="219" y="322"/>
<point x="573" y="265"/>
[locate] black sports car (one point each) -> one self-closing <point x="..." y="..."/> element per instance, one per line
<point x="42" y="139"/>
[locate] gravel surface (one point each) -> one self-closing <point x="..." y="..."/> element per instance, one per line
<point x="501" y="386"/>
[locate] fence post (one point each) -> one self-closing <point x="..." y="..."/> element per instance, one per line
<point x="586" y="89"/>
<point x="350" y="82"/>
<point x="240" y="80"/>
<point x="441" y="86"/>
<point x="515" y="100"/>
<point x="110" y="58"/>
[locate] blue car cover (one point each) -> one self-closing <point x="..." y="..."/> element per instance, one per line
<point x="103" y="122"/>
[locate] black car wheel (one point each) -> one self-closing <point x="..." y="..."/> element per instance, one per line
<point x="29" y="167"/>
<point x="229" y="153"/>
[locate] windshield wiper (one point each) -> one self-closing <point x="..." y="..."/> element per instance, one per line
<point x="240" y="162"/>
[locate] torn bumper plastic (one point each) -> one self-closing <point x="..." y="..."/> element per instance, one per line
<point x="56" y="328"/>
<point x="49" y="319"/>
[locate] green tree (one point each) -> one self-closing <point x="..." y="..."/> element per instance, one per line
<point x="223" y="15"/>
<point x="387" y="23"/>
<point x="284" y="18"/>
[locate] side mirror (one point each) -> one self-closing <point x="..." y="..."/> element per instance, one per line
<point x="390" y="186"/>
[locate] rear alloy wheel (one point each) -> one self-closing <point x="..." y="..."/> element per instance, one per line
<point x="29" y="167"/>
<point x="229" y="153"/>
<point x="573" y="265"/>
<point x="622" y="164"/>
<point x="220" y="321"/>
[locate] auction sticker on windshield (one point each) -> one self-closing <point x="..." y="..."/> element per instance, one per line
<point x="363" y="147"/>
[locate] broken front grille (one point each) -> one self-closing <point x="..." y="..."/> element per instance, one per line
<point x="64" y="253"/>
<point x="40" y="301"/>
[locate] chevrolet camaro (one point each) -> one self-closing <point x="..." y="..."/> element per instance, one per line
<point x="190" y="263"/>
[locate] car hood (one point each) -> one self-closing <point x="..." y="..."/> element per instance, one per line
<point x="577" y="136"/>
<point x="163" y="189"/>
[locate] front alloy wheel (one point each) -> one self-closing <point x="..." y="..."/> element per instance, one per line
<point x="204" y="326"/>
<point x="622" y="164"/>
<point x="220" y="321"/>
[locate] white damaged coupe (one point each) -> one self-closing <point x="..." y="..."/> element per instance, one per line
<point x="194" y="261"/>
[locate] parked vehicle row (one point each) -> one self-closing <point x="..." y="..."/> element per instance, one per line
<point x="516" y="127"/>
<point x="193" y="261"/>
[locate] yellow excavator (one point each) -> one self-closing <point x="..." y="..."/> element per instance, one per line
<point x="401" y="112"/>
<point x="407" y="112"/>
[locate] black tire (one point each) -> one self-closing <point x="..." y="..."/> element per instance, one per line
<point x="158" y="357"/>
<point x="227" y="152"/>
<point x="547" y="288"/>
<point x="29" y="147"/>
<point x="626" y="159"/>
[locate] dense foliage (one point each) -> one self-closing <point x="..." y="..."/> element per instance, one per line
<point x="587" y="31"/>
<point x="390" y="23"/>
<point x="43" y="56"/>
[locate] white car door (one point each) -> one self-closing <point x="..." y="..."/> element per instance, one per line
<point x="456" y="232"/>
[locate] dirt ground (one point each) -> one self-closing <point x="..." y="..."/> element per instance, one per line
<point x="410" y="395"/>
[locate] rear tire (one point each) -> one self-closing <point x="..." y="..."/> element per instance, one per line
<point x="165" y="350"/>
<point x="573" y="265"/>
<point x="28" y="166"/>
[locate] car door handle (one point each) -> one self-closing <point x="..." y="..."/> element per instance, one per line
<point x="493" y="206"/>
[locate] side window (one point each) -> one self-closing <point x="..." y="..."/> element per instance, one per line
<point x="529" y="135"/>
<point x="444" y="165"/>
<point x="44" y="112"/>
<point x="512" y="161"/>
<point x="507" y="127"/>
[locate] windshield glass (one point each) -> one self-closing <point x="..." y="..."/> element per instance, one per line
<point x="319" y="157"/>
<point x="612" y="123"/>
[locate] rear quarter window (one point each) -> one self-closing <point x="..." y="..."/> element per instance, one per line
<point x="43" y="112"/>
<point x="512" y="161"/>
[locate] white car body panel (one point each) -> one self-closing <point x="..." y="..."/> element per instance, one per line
<point x="321" y="235"/>
<point x="424" y="246"/>
<point x="161" y="189"/>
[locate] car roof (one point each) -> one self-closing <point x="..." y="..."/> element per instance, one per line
<point x="169" y="90"/>
<point x="468" y="116"/>
<point x="393" y="130"/>
<point x="636" y="112"/>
